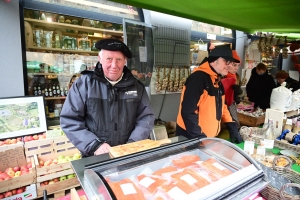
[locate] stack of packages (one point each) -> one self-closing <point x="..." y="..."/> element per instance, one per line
<point x="179" y="178"/>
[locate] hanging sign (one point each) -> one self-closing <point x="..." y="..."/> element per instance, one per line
<point x="211" y="36"/>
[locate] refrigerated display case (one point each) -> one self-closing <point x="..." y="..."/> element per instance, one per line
<point x="221" y="171"/>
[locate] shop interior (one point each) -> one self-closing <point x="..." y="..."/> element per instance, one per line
<point x="51" y="42"/>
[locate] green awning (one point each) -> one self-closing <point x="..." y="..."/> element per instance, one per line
<point x="244" y="15"/>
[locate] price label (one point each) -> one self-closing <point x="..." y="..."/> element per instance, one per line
<point x="261" y="150"/>
<point x="249" y="147"/>
<point x="12" y="158"/>
<point x="269" y="144"/>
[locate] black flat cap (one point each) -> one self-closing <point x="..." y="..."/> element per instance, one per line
<point x="113" y="45"/>
<point x="223" y="51"/>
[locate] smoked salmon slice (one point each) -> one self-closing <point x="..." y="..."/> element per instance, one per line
<point x="216" y="168"/>
<point x="192" y="178"/>
<point x="126" y="190"/>
<point x="150" y="183"/>
<point x="165" y="170"/>
<point x="185" y="161"/>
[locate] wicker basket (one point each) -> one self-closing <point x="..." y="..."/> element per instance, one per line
<point x="272" y="193"/>
<point x="256" y="134"/>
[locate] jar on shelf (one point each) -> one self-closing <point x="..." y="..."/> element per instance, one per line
<point x="61" y="19"/>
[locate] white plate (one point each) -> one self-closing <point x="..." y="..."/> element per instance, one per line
<point x="289" y="153"/>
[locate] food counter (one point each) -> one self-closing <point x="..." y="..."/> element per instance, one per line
<point x="237" y="176"/>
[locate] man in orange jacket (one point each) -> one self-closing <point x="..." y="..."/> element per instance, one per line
<point x="202" y="105"/>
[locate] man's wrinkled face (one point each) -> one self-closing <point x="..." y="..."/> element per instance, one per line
<point x="113" y="63"/>
<point x="221" y="66"/>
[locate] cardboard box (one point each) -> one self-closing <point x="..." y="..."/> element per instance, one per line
<point x="15" y="158"/>
<point x="30" y="193"/>
<point x="250" y="121"/>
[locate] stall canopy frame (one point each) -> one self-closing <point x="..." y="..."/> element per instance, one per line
<point x="244" y="15"/>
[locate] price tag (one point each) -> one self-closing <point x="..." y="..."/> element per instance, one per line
<point x="261" y="150"/>
<point x="177" y="194"/>
<point x="189" y="179"/>
<point x="217" y="165"/>
<point x="12" y="158"/>
<point x="249" y="147"/>
<point x="146" y="182"/>
<point x="143" y="54"/>
<point x="289" y="122"/>
<point x="128" y="188"/>
<point x="269" y="144"/>
<point x="211" y="36"/>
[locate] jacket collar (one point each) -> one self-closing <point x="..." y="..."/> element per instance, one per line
<point x="127" y="79"/>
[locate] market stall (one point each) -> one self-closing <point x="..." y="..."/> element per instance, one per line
<point x="205" y="169"/>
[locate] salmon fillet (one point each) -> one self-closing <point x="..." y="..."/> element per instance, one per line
<point x="192" y="178"/>
<point x="185" y="161"/>
<point x="216" y="168"/>
<point x="126" y="190"/>
<point x="165" y="170"/>
<point x="150" y="183"/>
<point x="182" y="185"/>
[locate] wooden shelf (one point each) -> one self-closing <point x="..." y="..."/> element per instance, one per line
<point x="54" y="98"/>
<point x="72" y="27"/>
<point x="53" y="74"/>
<point x="62" y="50"/>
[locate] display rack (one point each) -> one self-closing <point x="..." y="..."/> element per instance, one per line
<point x="172" y="46"/>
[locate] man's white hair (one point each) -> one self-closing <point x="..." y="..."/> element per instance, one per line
<point x="100" y="54"/>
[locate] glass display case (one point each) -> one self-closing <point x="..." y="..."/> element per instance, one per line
<point x="192" y="169"/>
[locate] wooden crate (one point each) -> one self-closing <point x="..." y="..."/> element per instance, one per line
<point x="250" y="121"/>
<point x="61" y="144"/>
<point x="53" y="171"/>
<point x="59" y="188"/>
<point x="20" y="181"/>
<point x="38" y="147"/>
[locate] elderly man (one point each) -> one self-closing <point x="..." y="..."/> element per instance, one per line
<point x="202" y="105"/>
<point x="107" y="107"/>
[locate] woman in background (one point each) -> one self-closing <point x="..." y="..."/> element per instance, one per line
<point x="283" y="76"/>
<point x="232" y="87"/>
<point x="260" y="86"/>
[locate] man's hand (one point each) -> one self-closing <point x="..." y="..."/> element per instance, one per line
<point x="102" y="149"/>
<point x="233" y="132"/>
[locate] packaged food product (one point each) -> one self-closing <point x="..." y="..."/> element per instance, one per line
<point x="126" y="190"/>
<point x="216" y="168"/>
<point x="150" y="183"/>
<point x="185" y="161"/>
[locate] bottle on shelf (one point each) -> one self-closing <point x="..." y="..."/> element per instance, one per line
<point x="50" y="90"/>
<point x="54" y="90"/>
<point x="269" y="137"/>
<point x="46" y="94"/>
<point x="39" y="89"/>
<point x="62" y="93"/>
<point x="66" y="91"/>
<point x="51" y="109"/>
<point x="58" y="93"/>
<point x="35" y="91"/>
<point x="46" y="109"/>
